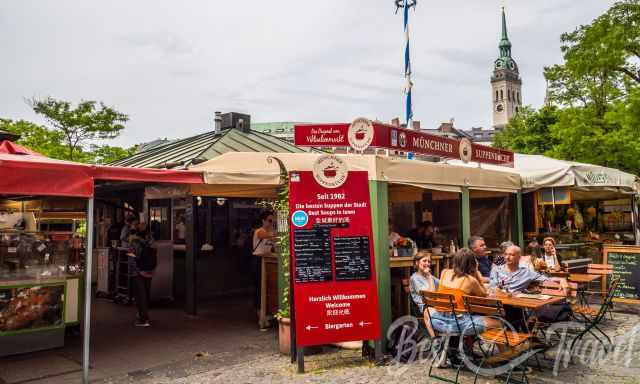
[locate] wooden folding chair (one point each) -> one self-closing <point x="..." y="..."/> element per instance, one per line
<point x="445" y="304"/>
<point x="510" y="343"/>
<point x="603" y="270"/>
<point x="591" y="322"/>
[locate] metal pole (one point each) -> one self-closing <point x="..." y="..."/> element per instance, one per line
<point x="87" y="294"/>
<point x="635" y="218"/>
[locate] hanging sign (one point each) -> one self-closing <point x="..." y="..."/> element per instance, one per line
<point x="332" y="258"/>
<point x="362" y="134"/>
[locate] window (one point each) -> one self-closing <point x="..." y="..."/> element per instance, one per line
<point x="501" y="95"/>
<point x="496" y="95"/>
<point x="518" y="97"/>
<point x="159" y="219"/>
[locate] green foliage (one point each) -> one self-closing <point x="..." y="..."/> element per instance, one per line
<point x="528" y="132"/>
<point x="281" y="206"/>
<point x="595" y="93"/>
<point x="51" y="143"/>
<point x="36" y="137"/>
<point x="106" y="154"/>
<point x="81" y="124"/>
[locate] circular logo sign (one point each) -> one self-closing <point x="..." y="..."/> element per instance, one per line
<point x="299" y="218"/>
<point x="360" y="134"/>
<point x="330" y="171"/>
<point x="466" y="150"/>
<point x="403" y="139"/>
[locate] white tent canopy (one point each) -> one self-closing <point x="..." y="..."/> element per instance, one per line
<point x="537" y="171"/>
<point x="254" y="170"/>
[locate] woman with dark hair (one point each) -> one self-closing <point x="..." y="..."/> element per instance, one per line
<point x="531" y="258"/>
<point x="550" y="257"/>
<point x="463" y="279"/>
<point x="263" y="246"/>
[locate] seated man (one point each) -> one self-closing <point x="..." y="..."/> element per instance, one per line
<point x="511" y="276"/>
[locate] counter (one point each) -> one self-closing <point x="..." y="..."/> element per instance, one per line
<point x="35" y="309"/>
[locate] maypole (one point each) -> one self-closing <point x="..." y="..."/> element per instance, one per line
<point x="405" y="5"/>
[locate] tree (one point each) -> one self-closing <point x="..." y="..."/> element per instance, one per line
<point x="36" y="137"/>
<point x="106" y="154"/>
<point x="87" y="122"/>
<point x="595" y="95"/>
<point x="610" y="44"/>
<point x="529" y="131"/>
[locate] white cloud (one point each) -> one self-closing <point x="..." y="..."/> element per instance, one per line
<point x="170" y="65"/>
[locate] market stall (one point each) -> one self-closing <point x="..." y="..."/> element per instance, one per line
<point x="47" y="244"/>
<point x="398" y="189"/>
<point x="582" y="206"/>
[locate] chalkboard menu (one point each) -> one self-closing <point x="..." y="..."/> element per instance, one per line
<point x="626" y="266"/>
<point x="353" y="261"/>
<point x="312" y="249"/>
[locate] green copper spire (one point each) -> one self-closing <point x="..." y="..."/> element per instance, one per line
<point x="505" y="44"/>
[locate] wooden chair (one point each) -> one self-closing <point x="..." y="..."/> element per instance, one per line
<point x="603" y="270"/>
<point x="510" y="343"/>
<point x="444" y="304"/>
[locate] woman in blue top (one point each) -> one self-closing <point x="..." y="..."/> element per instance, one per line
<point x="422" y="280"/>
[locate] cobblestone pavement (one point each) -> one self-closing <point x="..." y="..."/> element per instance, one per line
<point x="342" y="366"/>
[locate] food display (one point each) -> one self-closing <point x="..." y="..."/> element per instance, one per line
<point x="28" y="308"/>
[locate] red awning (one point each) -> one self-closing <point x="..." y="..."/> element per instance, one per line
<point x="32" y="174"/>
<point x="12" y="148"/>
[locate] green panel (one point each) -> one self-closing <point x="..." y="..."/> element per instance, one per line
<point x="379" y="192"/>
<point x="519" y="220"/>
<point x="466" y="216"/>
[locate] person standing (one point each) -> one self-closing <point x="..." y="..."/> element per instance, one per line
<point x="263" y="245"/>
<point x="479" y="249"/>
<point x="145" y="264"/>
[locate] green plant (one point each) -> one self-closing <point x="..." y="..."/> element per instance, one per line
<point x="281" y="207"/>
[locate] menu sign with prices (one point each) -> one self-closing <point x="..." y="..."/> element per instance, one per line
<point x="332" y="258"/>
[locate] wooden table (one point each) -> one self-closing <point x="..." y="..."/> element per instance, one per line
<point x="583" y="278"/>
<point x="523" y="303"/>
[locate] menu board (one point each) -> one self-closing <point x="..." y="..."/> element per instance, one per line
<point x="312" y="251"/>
<point x="626" y="266"/>
<point x="353" y="260"/>
<point x="334" y="286"/>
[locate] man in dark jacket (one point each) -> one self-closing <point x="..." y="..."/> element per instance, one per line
<point x="145" y="264"/>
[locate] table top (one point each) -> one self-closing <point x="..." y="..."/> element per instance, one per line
<point x="525" y="303"/>
<point x="583" y="277"/>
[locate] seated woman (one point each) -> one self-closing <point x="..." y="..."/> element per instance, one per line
<point x="422" y="280"/>
<point x="463" y="279"/>
<point x="550" y="257"/>
<point x="531" y="258"/>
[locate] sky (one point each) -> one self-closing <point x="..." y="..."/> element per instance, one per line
<point x="170" y="65"/>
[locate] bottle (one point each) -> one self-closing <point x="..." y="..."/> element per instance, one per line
<point x="452" y="248"/>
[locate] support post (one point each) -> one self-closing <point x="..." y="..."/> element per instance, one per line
<point x="300" y="359"/>
<point x="466" y="215"/>
<point x="519" y="220"/>
<point x="635" y="218"/>
<point x="191" y="294"/>
<point x="379" y="195"/>
<point x="87" y="295"/>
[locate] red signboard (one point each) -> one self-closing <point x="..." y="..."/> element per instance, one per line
<point x="332" y="258"/>
<point x="404" y="140"/>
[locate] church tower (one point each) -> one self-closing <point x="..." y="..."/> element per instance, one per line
<point x="505" y="83"/>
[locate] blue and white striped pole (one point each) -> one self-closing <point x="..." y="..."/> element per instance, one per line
<point x="406" y="4"/>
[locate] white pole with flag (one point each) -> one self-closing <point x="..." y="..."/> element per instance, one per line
<point x="408" y="84"/>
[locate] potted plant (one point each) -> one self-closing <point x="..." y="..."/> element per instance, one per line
<point x="405" y="246"/>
